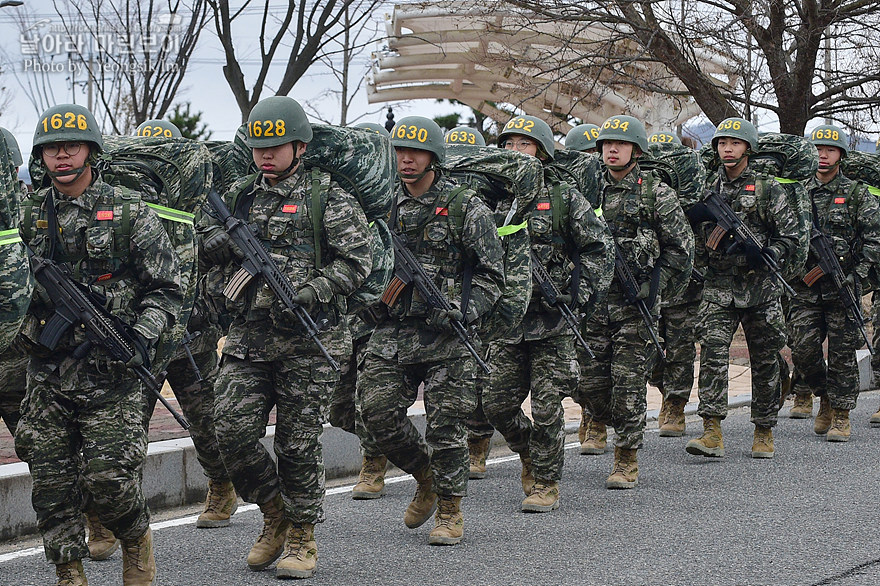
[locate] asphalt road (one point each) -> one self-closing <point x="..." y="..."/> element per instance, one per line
<point x="808" y="516"/>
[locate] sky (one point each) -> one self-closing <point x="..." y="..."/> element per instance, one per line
<point x="204" y="85"/>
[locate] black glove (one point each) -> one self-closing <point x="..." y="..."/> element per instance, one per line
<point x="699" y="213"/>
<point x="141" y="351"/>
<point x="218" y="246"/>
<point x="754" y="256"/>
<point x="441" y="319"/>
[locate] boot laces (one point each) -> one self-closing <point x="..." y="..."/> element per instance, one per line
<point x="371" y="466"/>
<point x="217" y="495"/>
<point x="445" y="512"/>
<point x="133" y="552"/>
<point x="295" y="541"/>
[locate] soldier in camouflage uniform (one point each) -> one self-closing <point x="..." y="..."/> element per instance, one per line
<point x="651" y="232"/>
<point x="447" y="228"/>
<point x="875" y="341"/>
<point x="850" y="216"/>
<point x="345" y="404"/>
<point x="582" y="138"/>
<point x="82" y="419"/>
<point x="268" y="361"/>
<point x="538" y="358"/>
<point x="739" y="289"/>
<point x="480" y="431"/>
<point x="17" y="285"/>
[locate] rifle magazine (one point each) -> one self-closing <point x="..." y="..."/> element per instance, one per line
<point x="715" y="237"/>
<point x="814" y="275"/>
<point x="237" y="284"/>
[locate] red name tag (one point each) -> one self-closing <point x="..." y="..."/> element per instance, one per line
<point x="544" y="205"/>
<point x="750" y="188"/>
<point x="640" y="180"/>
<point x="839" y="200"/>
<point x="290" y="208"/>
<point x="104" y="277"/>
<point x="441" y="212"/>
<point x="105" y="215"/>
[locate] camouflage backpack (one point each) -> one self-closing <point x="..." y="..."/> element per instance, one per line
<point x="503" y="176"/>
<point x="172" y="176"/>
<point x="16" y="281"/>
<point x="864" y="168"/>
<point x="583" y="170"/>
<point x="231" y="160"/>
<point x="677" y="166"/>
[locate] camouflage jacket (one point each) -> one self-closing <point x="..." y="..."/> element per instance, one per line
<point x="442" y="248"/>
<point x="766" y="209"/>
<point x="16" y="281"/>
<point x="651" y="231"/>
<point x="557" y="235"/>
<point x="280" y="216"/>
<point x="140" y="278"/>
<point x="850" y="216"/>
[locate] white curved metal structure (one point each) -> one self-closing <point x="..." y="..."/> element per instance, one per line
<point x="480" y="53"/>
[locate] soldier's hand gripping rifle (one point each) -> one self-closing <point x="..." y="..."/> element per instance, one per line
<point x="729" y="223"/>
<point x="408" y="269"/>
<point x="830" y="266"/>
<point x="631" y="289"/>
<point x="256" y="262"/>
<point x="74" y="306"/>
<point x="551" y="295"/>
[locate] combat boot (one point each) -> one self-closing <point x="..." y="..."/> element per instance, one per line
<point x="528" y="474"/>
<point x="448" y="523"/>
<point x="762" y="446"/>
<point x="875" y="419"/>
<point x="585" y="422"/>
<point x="300" y="554"/>
<point x="371" y="480"/>
<point x="823" y="418"/>
<point x="424" y="502"/>
<point x="138" y="563"/>
<point x="673" y="424"/>
<point x="803" y="406"/>
<point x="625" y="471"/>
<point x="544" y="497"/>
<point x="221" y="503"/>
<point x="479" y="449"/>
<point x="102" y="542"/>
<point x="840" y="427"/>
<point x="270" y="543"/>
<point x="595" y="438"/>
<point x="664" y="412"/>
<point x="71" y="574"/>
<point x="711" y="443"/>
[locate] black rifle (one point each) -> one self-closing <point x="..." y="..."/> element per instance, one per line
<point x="830" y="266"/>
<point x="256" y="262"/>
<point x="729" y="223"/>
<point x="551" y="295"/>
<point x="185" y="343"/>
<point x="407" y="269"/>
<point x="74" y="305"/>
<point x="631" y="290"/>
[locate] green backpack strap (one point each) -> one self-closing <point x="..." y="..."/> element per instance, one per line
<point x="455" y="216"/>
<point x="34" y="202"/>
<point x="648" y="194"/>
<point x="317" y="214"/>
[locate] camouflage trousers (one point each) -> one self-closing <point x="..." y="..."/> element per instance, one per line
<point x="13" y="383"/>
<point x="345" y="410"/>
<point x="678" y="327"/>
<point x="245" y="392"/>
<point x="764" y="328"/>
<point x="875" y="336"/>
<point x="548" y="370"/>
<point x="808" y="326"/>
<point x="196" y="400"/>
<point x="387" y="388"/>
<point x="612" y="386"/>
<point x="73" y="443"/>
<point x="478" y="425"/>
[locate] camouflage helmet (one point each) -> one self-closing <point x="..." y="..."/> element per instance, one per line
<point x="582" y="137"/>
<point x="624" y="128"/>
<point x="418" y="132"/>
<point x="830" y="135"/>
<point x="377" y="128"/>
<point x="736" y="128"/>
<point x="465" y="135"/>
<point x="158" y="128"/>
<point x="275" y="121"/>
<point x="67" y="123"/>
<point x="12" y="147"/>
<point x="532" y="127"/>
<point x="664" y="138"/>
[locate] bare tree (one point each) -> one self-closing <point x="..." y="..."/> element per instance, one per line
<point x="800" y="59"/>
<point x="302" y="29"/>
<point x="128" y="57"/>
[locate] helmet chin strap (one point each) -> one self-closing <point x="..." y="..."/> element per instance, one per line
<point x="417" y="176"/>
<point x="622" y="167"/>
<point x="75" y="172"/>
<point x="289" y="170"/>
<point x="829" y="167"/>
